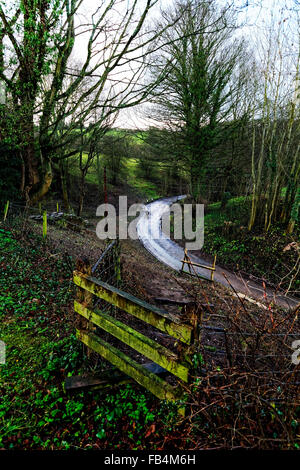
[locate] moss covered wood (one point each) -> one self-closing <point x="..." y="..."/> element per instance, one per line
<point x="144" y="345"/>
<point x="44" y="224"/>
<point x="6" y="210"/>
<point x="140" y="374"/>
<point x="148" y="313"/>
<point x="84" y="296"/>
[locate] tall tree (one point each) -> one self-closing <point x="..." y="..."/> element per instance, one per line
<point x="195" y="98"/>
<point x="115" y="147"/>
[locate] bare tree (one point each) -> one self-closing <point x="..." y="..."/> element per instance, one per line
<point x="275" y="143"/>
<point x="37" y="41"/>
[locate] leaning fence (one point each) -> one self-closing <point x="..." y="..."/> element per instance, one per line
<point x="94" y="321"/>
<point x="192" y="265"/>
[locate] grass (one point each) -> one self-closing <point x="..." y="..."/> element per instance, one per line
<point x="141" y="185"/>
<point x="145" y="189"/>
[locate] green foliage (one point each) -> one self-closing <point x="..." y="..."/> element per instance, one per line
<point x="295" y="206"/>
<point x="256" y="252"/>
<point x="141" y="185"/>
<point x="200" y="65"/>
<point x="41" y="351"/>
<point x="10" y="174"/>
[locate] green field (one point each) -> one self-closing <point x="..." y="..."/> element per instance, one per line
<point x="145" y="189"/>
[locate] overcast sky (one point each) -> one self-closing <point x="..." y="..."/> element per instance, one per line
<point x="254" y="16"/>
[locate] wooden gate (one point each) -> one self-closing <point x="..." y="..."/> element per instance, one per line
<point x="178" y="364"/>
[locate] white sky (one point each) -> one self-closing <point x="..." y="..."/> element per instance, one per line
<point x="254" y="16"/>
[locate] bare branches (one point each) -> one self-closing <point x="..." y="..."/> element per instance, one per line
<point x="37" y="49"/>
<point x="245" y="392"/>
<point x="195" y="99"/>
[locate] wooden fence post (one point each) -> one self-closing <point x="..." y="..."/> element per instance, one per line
<point x="117" y="261"/>
<point x="214" y="267"/>
<point x="105" y="185"/>
<point x="6" y="210"/>
<point x="85" y="297"/>
<point x="44" y="224"/>
<point x="187" y="260"/>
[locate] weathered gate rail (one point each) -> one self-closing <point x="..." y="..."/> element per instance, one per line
<point x="187" y="260"/>
<point x="178" y="364"/>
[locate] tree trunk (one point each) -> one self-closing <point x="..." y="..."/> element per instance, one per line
<point x="81" y="193"/>
<point x="23" y="176"/>
<point x="32" y="176"/>
<point x="45" y="183"/>
<point x="194" y="183"/>
<point x="64" y="184"/>
<point x="99" y="177"/>
<point x="294" y="217"/>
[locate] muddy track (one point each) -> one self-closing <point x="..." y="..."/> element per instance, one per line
<point x="170" y="253"/>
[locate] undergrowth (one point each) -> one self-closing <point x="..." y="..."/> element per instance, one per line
<point x="37" y="327"/>
<point x="272" y="256"/>
<point x="227" y="407"/>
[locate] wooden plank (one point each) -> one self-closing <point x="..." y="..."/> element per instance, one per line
<point x="137" y="341"/>
<point x="128" y="303"/>
<point x="140" y="374"/>
<point x="166" y="300"/>
<point x="199" y="265"/>
<point x="84" y="296"/>
<point x="214" y="266"/>
<point x="107" y="379"/>
<point x="110" y="378"/>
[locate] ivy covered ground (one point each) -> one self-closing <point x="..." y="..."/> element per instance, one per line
<point x="36" y="324"/>
<point x="272" y="256"/>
